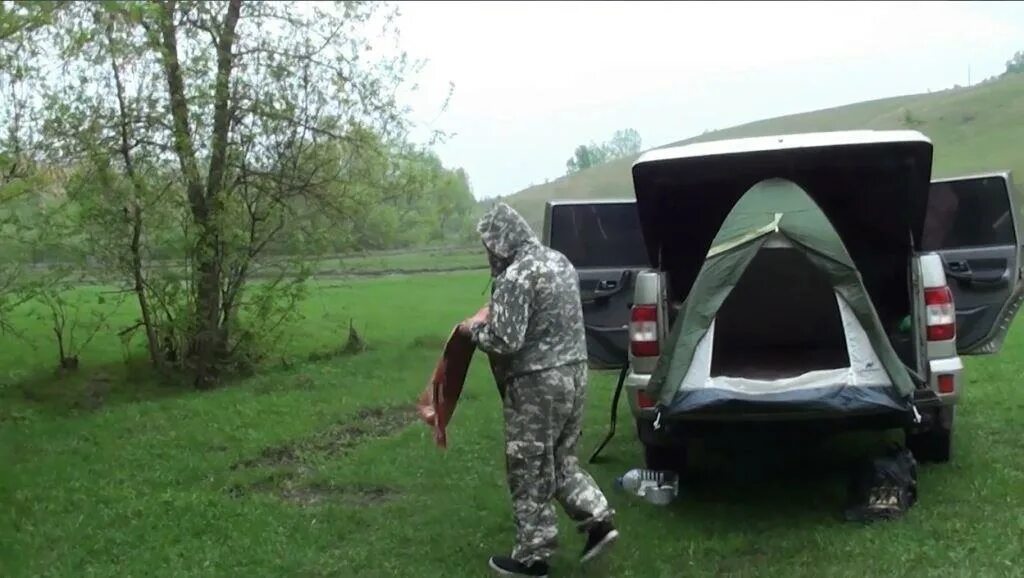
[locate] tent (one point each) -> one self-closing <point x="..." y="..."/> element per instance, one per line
<point x="778" y="319"/>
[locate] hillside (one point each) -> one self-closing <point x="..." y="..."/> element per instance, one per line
<point x="980" y="128"/>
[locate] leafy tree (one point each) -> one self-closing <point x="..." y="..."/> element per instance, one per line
<point x="73" y="321"/>
<point x="228" y="129"/>
<point x="20" y="174"/>
<point x="623" y="143"/>
<point x="416" y="200"/>
<point x="1015" y="65"/>
<point x="455" y="205"/>
<point x="432" y="200"/>
<point x="586" y="156"/>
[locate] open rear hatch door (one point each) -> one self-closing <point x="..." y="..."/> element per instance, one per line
<point x="871" y="185"/>
<point x="974" y="224"/>
<point x="603" y="241"/>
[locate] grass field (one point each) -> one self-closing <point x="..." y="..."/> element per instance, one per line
<point x="317" y="468"/>
<point x="974" y="129"/>
<point x="427" y="260"/>
<point x="367" y="264"/>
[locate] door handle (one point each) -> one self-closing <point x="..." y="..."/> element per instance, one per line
<point x="958" y="267"/>
<point x="607" y="285"/>
<point x="606" y="328"/>
<point x="984" y="281"/>
<point x="999" y="280"/>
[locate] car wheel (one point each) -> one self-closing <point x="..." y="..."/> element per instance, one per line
<point x="936" y="443"/>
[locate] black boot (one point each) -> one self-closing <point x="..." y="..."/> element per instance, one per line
<point x="506" y="566"/>
<point x="599" y="538"/>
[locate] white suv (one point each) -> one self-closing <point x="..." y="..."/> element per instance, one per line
<point x="930" y="244"/>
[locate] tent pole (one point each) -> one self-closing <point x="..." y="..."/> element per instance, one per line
<point x="615" y="414"/>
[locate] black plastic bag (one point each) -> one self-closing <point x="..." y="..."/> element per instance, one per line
<point x="883" y="488"/>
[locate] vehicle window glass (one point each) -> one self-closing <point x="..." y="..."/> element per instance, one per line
<point x="598" y="235"/>
<point x="968" y="213"/>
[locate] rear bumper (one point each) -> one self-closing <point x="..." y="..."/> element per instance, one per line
<point x="923" y="399"/>
<point x="673" y="433"/>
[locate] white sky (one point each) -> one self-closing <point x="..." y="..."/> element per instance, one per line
<point x="534" y="79"/>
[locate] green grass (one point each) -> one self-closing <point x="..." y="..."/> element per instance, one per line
<point x="974" y="129"/>
<point x="292" y="472"/>
<point x="369" y="264"/>
<point x="425" y="260"/>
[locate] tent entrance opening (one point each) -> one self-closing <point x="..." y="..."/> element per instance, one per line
<point x="781" y="320"/>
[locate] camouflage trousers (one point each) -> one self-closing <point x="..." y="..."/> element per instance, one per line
<point x="543" y="421"/>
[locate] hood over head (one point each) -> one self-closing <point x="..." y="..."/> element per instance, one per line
<point x="504" y="232"/>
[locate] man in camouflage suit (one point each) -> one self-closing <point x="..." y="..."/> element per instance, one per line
<point x="533" y="331"/>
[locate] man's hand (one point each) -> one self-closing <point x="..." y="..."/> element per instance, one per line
<point x="480" y="316"/>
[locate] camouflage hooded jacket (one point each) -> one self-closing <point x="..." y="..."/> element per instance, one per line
<point x="536" y="319"/>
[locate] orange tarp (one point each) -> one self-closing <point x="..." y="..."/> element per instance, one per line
<point x="437" y="402"/>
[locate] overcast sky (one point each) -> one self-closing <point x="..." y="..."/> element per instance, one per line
<point x="534" y="79"/>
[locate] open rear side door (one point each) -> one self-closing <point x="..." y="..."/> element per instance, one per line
<point x="974" y="223"/>
<point x="603" y="241"/>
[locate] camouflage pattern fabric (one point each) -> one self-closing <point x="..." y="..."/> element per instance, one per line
<point x="499" y="369"/>
<point x="536" y="319"/>
<point x="543" y="420"/>
<point x="536" y="342"/>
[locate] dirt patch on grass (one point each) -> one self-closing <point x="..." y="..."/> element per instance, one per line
<point x="338" y="439"/>
<point x="294" y="465"/>
<point x="319" y="493"/>
<point x="296" y="490"/>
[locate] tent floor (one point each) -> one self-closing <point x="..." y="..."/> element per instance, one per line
<point x="776" y="363"/>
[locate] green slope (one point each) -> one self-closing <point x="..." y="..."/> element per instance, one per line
<point x="980" y="128"/>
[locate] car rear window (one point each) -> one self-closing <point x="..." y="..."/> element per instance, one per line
<point x="968" y="213"/>
<point x="598" y="235"/>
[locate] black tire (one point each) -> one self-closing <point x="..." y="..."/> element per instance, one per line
<point x="936" y="443"/>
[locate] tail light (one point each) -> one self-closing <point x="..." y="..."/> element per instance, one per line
<point x="643" y="331"/>
<point x="644" y="401"/>
<point x="946" y="383"/>
<point x="940" y="314"/>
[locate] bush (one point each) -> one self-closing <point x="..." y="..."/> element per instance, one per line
<point x="909" y="119"/>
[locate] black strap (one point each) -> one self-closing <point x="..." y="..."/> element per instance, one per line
<point x="614" y="416"/>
